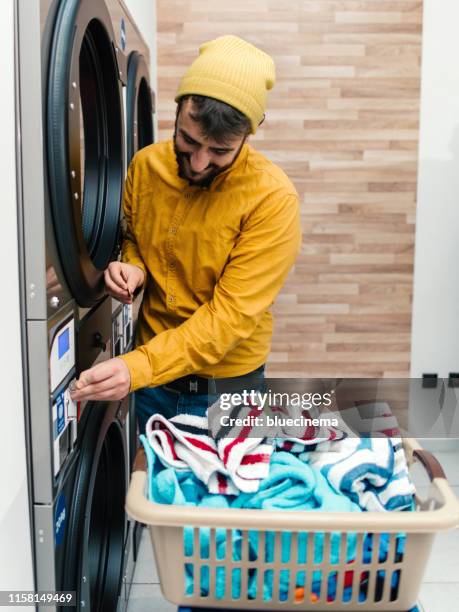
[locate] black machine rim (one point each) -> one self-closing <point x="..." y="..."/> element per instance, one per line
<point x="83" y="66"/>
<point x="139" y="103"/>
<point x="107" y="522"/>
<point x="133" y="434"/>
<point x="95" y="539"/>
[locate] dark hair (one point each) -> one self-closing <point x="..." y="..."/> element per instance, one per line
<point x="218" y="120"/>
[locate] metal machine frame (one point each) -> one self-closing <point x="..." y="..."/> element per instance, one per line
<point x="71" y="54"/>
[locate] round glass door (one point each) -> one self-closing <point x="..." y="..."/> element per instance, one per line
<point x="85" y="145"/>
<point x="139" y="106"/>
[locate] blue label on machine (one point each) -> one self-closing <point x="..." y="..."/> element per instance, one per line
<point x="123" y="34"/>
<point x="59" y="519"/>
<point x="60" y="409"/>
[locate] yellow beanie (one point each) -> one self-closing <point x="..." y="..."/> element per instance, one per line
<point x="233" y="71"/>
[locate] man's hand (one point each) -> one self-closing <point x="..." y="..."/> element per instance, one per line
<point x="122" y="279"/>
<point x="107" y="381"/>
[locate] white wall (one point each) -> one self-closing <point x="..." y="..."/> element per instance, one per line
<point x="435" y="327"/>
<point x="144" y="14"/>
<point x="15" y="542"/>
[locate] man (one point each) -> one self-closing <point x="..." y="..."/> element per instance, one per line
<point x="212" y="232"/>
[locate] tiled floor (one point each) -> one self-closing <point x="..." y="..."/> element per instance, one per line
<point x="439" y="592"/>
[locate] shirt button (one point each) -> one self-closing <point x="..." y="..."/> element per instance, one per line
<point x="171" y="265"/>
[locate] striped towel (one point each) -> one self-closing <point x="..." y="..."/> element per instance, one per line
<point x="184" y="443"/>
<point x="232" y="459"/>
<point x="372" y="472"/>
<point x="228" y="460"/>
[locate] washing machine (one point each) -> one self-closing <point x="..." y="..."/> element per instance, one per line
<point x="79" y="463"/>
<point x="72" y="77"/>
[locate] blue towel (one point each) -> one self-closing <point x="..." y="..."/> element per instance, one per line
<point x="295" y="485"/>
<point x="292" y="484"/>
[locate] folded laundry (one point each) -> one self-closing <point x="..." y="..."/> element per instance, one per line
<point x="372" y="472"/>
<point x="184" y="443"/>
<point x="227" y="462"/>
<point x="196" y="461"/>
<point x="291" y="485"/>
<point x="295" y="485"/>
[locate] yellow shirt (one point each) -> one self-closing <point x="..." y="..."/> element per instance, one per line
<point x="214" y="260"/>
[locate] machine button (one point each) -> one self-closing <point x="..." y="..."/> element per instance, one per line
<point x="98" y="343"/>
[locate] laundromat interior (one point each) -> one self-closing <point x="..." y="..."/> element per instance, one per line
<point x="363" y="119"/>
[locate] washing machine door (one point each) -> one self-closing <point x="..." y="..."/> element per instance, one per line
<point x="84" y="136"/>
<point x="94" y="557"/>
<point x="139" y="105"/>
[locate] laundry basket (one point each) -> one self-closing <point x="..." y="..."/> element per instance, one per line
<point x="267" y="554"/>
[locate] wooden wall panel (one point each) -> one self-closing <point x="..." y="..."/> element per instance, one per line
<point x="342" y="122"/>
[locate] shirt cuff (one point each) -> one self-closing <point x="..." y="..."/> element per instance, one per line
<point x="139" y="369"/>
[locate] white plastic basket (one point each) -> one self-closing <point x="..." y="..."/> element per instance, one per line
<point x="243" y="582"/>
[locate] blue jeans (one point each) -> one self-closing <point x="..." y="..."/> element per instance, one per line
<point x="169" y="403"/>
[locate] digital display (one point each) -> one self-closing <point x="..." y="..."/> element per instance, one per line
<point x="63" y="343"/>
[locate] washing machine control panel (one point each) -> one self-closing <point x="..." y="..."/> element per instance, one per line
<point x="121" y="330"/>
<point x="62" y="354"/>
<point x="117" y="335"/>
<point x="127" y="322"/>
<point x="62" y="375"/>
<point x="64" y="413"/>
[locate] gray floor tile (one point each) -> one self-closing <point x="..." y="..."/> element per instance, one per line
<point x="148" y="598"/>
<point x="443" y="564"/>
<point x="419" y="476"/>
<point x="145" y="570"/>
<point x="439" y="597"/>
<point x="449" y="462"/>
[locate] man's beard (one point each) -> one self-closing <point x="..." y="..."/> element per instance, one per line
<point x="180" y="156"/>
<point x="182" y="170"/>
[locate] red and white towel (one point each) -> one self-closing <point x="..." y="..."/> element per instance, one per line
<point x="231" y="466"/>
<point x="228" y="459"/>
